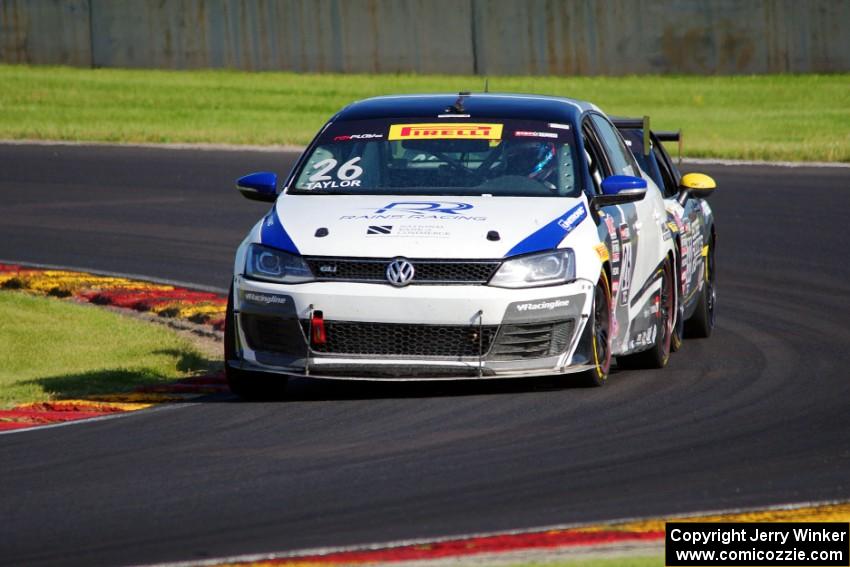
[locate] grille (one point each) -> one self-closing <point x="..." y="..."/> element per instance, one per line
<point x="532" y="340"/>
<point x="273" y="334"/>
<point x="426" y="271"/>
<point x="405" y="340"/>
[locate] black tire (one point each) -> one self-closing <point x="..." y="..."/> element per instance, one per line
<point x="659" y="354"/>
<point x="677" y="339"/>
<point x="600" y="335"/>
<point x="701" y="323"/>
<point x="253" y="386"/>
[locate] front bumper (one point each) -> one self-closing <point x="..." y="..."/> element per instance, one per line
<point x="424" y="332"/>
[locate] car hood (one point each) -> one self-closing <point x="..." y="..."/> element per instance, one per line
<point x="380" y="226"/>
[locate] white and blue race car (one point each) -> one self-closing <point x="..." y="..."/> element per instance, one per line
<point x="433" y="237"/>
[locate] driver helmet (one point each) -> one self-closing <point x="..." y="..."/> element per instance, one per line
<point x="534" y="159"/>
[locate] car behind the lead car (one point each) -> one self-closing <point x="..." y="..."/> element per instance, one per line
<point x="454" y="237"/>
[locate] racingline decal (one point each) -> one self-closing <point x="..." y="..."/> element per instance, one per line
<point x="445" y="132"/>
<point x="548" y="237"/>
<point x="547" y="305"/>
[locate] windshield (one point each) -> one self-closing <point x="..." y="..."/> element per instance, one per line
<point x="454" y="157"/>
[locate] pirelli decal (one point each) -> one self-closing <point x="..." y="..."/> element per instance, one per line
<point x="445" y="132"/>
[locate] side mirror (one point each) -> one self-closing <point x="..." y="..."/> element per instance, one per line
<point x="696" y="185"/>
<point x="621" y="189"/>
<point x="258" y="186"/>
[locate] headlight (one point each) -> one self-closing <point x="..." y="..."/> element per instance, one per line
<point x="538" y="270"/>
<point x="270" y="264"/>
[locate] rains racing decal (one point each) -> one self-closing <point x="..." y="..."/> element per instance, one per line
<point x="419" y="210"/>
<point x="419" y="207"/>
<point x="445" y="132"/>
<point x="346" y="175"/>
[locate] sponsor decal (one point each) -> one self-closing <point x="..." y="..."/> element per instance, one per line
<point x="672" y="226"/>
<point x="626" y="265"/>
<point x="547" y="305"/>
<point x="419" y="210"/>
<point x="420" y="207"/>
<point x="357" y="137"/>
<point x="602" y="252"/>
<point x="528" y="134"/>
<point x="445" y="132"/>
<point x="559" y="126"/>
<point x="552" y="233"/>
<point x="706" y="209"/>
<point x="644" y="338"/>
<point x="266" y="298"/>
<point x="573" y="218"/>
<point x="410" y="231"/>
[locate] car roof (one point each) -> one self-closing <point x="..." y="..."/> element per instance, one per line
<point x="489" y="105"/>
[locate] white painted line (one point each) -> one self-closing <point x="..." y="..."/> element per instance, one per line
<point x="298" y="149"/>
<point x="319" y="551"/>
<point x="106" y="273"/>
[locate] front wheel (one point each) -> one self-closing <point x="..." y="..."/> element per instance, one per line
<point x="600" y="335"/>
<point x="658" y="355"/>
<point x="255" y="386"/>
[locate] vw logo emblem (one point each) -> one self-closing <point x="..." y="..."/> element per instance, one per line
<point x="400" y="272"/>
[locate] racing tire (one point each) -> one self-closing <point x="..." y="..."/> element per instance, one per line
<point x="600" y="335"/>
<point x="678" y="337"/>
<point x="658" y="354"/>
<point x="248" y="385"/>
<point x="701" y="323"/>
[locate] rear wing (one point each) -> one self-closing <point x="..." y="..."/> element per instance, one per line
<point x="643" y="124"/>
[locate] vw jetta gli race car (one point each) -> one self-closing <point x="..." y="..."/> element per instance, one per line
<point x="433" y="237"/>
<point x="691" y="221"/>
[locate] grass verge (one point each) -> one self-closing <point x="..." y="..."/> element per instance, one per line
<point x="773" y="117"/>
<point x="53" y="350"/>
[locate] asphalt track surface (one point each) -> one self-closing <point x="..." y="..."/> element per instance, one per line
<point x="756" y="415"/>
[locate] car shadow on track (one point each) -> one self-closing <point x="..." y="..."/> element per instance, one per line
<point x="321" y="390"/>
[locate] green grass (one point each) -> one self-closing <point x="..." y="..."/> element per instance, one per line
<point x="788" y="117"/>
<point x="51" y="349"/>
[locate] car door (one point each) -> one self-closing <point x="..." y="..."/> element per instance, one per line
<point x="692" y="219"/>
<point x="641" y="239"/>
